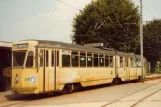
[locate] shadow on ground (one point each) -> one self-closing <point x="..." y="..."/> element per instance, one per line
<point x="20" y="97"/>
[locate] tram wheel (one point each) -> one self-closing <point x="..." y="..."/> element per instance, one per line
<point x="115" y="81"/>
<point x="77" y="87"/>
<point x="139" y="79"/>
<point x="70" y="88"/>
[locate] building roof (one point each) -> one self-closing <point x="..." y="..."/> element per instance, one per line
<point x="6" y="44"/>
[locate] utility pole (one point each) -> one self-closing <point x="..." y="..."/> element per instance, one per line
<point x="141" y="40"/>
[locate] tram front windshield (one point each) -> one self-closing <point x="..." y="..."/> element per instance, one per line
<point x="19" y="58"/>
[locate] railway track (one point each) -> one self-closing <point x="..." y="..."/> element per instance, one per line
<point x="10" y="101"/>
<point x="135" y="101"/>
<point x="145" y="98"/>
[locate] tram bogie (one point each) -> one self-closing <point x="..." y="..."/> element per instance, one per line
<point x="44" y="66"/>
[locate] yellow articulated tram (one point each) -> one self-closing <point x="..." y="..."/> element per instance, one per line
<point x="40" y="66"/>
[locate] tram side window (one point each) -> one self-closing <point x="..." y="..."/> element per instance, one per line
<point x="121" y="61"/>
<point x="135" y="63"/>
<point x="29" y="62"/>
<point x="101" y="60"/>
<point x="138" y="63"/>
<point x="131" y="61"/>
<point x="111" y="61"/>
<point x="65" y="60"/>
<point x="89" y="60"/>
<point x="107" y="60"/>
<point x="82" y="59"/>
<point x="36" y="58"/>
<point x="57" y="58"/>
<point x="47" y="58"/>
<point x="52" y="58"/>
<point x="41" y="58"/>
<point x="126" y="62"/>
<point x="74" y="59"/>
<point x="95" y="60"/>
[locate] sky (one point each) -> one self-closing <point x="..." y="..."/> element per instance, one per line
<point x="50" y="19"/>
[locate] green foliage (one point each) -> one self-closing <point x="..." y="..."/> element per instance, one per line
<point x="115" y="22"/>
<point x="152" y="40"/>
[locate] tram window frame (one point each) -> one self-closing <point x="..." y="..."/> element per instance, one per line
<point x="96" y="60"/>
<point x="101" y="59"/>
<point x="75" y="55"/>
<point x="121" y="62"/>
<point x="83" y="55"/>
<point x="89" y="62"/>
<point x="28" y="59"/>
<point x="47" y="58"/>
<point x="67" y="63"/>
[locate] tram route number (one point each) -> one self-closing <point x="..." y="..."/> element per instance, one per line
<point x="30" y="79"/>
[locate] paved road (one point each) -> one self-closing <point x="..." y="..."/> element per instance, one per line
<point x="125" y="95"/>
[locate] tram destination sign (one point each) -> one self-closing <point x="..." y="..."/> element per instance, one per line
<point x="65" y="51"/>
<point x="21" y="45"/>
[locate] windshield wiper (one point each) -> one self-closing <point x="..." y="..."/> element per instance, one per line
<point x="15" y="62"/>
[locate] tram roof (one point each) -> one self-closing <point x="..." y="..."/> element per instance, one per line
<point x="129" y="55"/>
<point x="56" y="44"/>
<point x="125" y="54"/>
<point x="5" y="44"/>
<point x="76" y="47"/>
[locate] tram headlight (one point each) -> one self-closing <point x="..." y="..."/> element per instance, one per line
<point x="16" y="79"/>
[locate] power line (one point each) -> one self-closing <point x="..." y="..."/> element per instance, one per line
<point x="147" y="10"/>
<point x="68" y="5"/>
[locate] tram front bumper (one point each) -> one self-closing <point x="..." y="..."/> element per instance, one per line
<point x="24" y="90"/>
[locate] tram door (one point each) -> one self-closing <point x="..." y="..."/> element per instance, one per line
<point x="41" y="69"/>
<point x="127" y="68"/>
<point x="54" y="72"/>
<point x="48" y="64"/>
<point x="44" y="70"/>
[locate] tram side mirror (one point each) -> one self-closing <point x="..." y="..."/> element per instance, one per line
<point x="40" y="54"/>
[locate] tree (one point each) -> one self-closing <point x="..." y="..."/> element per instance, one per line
<point x="113" y="22"/>
<point x="152" y="42"/>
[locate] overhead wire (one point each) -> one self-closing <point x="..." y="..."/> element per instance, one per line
<point x="68" y="5"/>
<point x="147" y="10"/>
<point x="79" y="9"/>
<point x="116" y="24"/>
